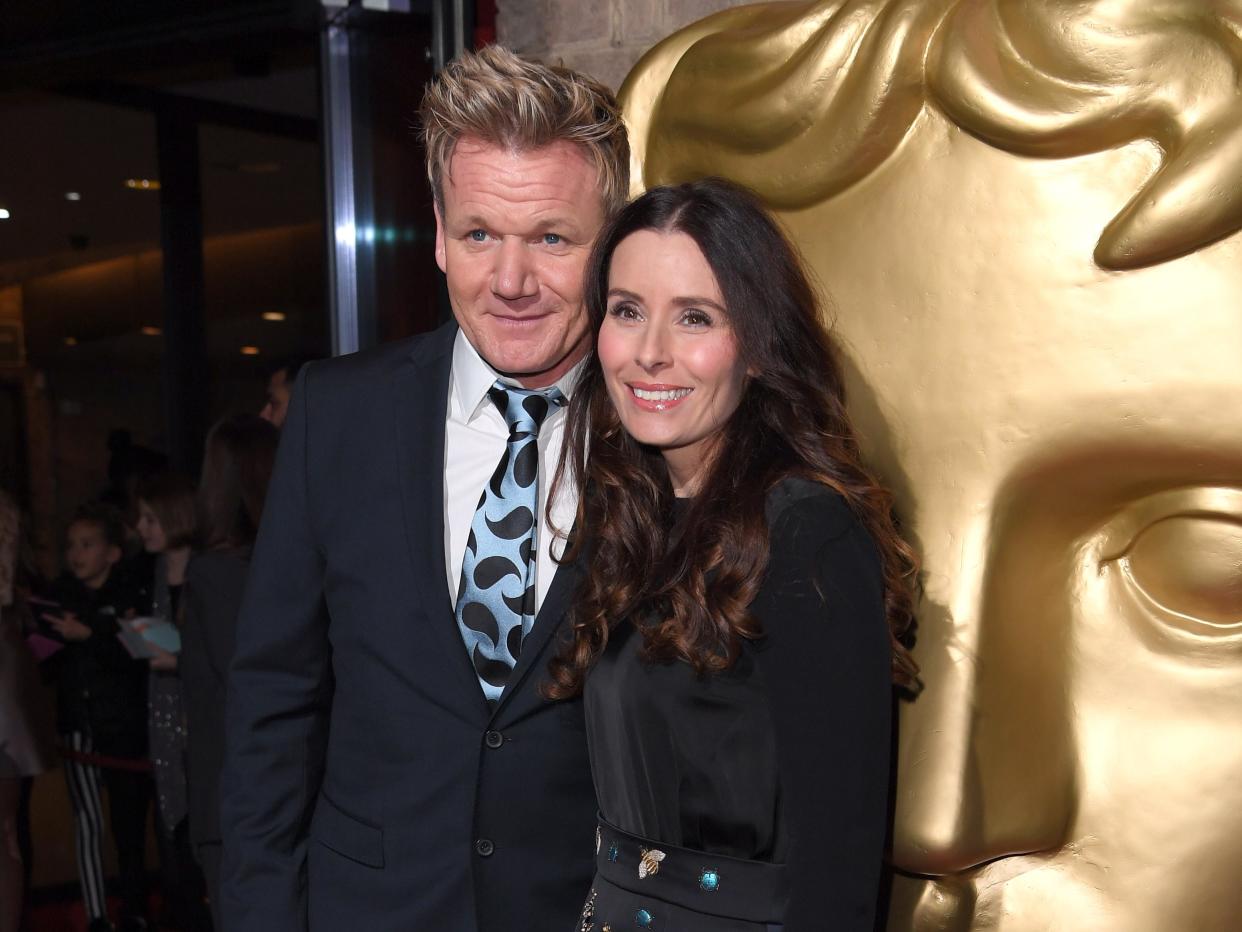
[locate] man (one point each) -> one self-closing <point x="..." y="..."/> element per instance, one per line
<point x="279" y="385"/>
<point x="390" y="763"/>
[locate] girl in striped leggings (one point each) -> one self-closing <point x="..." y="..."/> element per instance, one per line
<point x="101" y="714"/>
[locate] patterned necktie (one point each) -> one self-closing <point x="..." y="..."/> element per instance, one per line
<point x="496" y="595"/>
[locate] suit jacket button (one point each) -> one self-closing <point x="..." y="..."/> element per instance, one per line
<point x="494" y="739"/>
<point x="484" y="847"/>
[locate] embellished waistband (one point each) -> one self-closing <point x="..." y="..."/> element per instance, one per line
<point x="732" y="888"/>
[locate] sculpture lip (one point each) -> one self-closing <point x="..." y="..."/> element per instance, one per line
<point x="944" y="866"/>
<point x="960" y="896"/>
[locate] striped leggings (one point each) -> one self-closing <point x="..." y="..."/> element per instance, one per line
<point x="129" y="795"/>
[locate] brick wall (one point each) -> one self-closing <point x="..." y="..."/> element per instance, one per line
<point x="604" y="38"/>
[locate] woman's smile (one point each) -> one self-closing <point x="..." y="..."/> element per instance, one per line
<point x="658" y="397"/>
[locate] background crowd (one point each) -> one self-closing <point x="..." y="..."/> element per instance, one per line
<point x="113" y="672"/>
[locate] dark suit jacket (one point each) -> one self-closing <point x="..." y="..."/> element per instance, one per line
<point x="212" y="599"/>
<point x="367" y="783"/>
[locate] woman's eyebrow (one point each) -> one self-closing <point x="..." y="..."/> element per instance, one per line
<point x="683" y="301"/>
<point x="622" y="293"/>
<point x="699" y="301"/>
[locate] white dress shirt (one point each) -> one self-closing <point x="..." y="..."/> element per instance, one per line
<point x="475" y="434"/>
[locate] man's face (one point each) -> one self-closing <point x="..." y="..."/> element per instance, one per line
<point x="1066" y="448"/>
<point x="88" y="553"/>
<point x="513" y="240"/>
<point x="277" y="405"/>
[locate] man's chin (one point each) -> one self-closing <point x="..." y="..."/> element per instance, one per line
<point x="536" y="368"/>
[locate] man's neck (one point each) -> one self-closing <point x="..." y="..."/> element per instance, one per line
<point x="557" y="372"/>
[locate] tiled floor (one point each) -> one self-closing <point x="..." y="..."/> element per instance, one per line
<point x="54" y="905"/>
<point x="55" y="911"/>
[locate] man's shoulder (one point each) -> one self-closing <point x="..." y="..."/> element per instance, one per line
<point x="368" y="367"/>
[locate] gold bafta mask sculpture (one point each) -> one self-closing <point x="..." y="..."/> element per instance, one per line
<point x="1026" y="215"/>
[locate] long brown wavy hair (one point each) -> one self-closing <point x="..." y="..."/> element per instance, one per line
<point x="791" y="421"/>
<point x="237" y="465"/>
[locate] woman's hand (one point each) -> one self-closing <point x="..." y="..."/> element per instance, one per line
<point x="68" y="626"/>
<point x="161" y="659"/>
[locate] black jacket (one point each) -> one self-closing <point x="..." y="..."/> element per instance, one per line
<point x="100" y="689"/>
<point x="367" y="783"/>
<point x="212" y="599"/>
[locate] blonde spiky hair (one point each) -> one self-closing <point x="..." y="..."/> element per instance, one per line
<point x="499" y="98"/>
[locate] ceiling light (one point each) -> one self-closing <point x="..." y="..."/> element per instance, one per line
<point x="151" y="331"/>
<point x="274" y="315"/>
<point x="142" y="184"/>
<point x="71" y="341"/>
<point x="4" y="214"/>
<point x="250" y="351"/>
<point x="72" y="196"/>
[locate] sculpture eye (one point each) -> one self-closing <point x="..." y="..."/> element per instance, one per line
<point x="1191" y="566"/>
<point x="1178" y="557"/>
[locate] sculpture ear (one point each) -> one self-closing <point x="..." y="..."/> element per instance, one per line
<point x="801" y="101"/>
<point x="1089" y="90"/>
<point x="797" y="101"/>
<point x="1204" y="170"/>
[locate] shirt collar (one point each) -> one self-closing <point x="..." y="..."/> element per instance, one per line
<point x="472" y="377"/>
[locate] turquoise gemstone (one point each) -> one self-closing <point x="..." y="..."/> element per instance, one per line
<point x="709" y="880"/>
<point x="613" y="853"/>
<point x="643" y="919"/>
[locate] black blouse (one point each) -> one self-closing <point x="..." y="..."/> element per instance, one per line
<point x="785" y="757"/>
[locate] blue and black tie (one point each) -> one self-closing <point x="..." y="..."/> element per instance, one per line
<point x="496" y="596"/>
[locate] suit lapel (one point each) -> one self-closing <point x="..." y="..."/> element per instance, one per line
<point x="420" y="403"/>
<point x="551" y="614"/>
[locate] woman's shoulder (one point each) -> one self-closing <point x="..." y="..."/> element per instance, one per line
<point x="805" y="507"/>
<point x="215" y="566"/>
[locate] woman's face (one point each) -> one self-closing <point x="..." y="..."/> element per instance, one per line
<point x="668" y="352"/>
<point x="149" y="529"/>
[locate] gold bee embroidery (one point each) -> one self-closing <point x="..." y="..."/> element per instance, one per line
<point x="650" y="863"/>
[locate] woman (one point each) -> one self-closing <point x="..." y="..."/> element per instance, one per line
<point x="237" y="465"/>
<point x="166" y="525"/>
<point x="25" y="747"/>
<point x="737" y="629"/>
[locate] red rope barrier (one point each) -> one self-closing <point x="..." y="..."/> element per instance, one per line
<point x="132" y="764"/>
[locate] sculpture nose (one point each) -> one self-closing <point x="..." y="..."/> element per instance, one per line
<point x="985" y="761"/>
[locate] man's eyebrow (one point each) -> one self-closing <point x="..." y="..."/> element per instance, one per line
<point x="555" y="222"/>
<point x="551" y="224"/>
